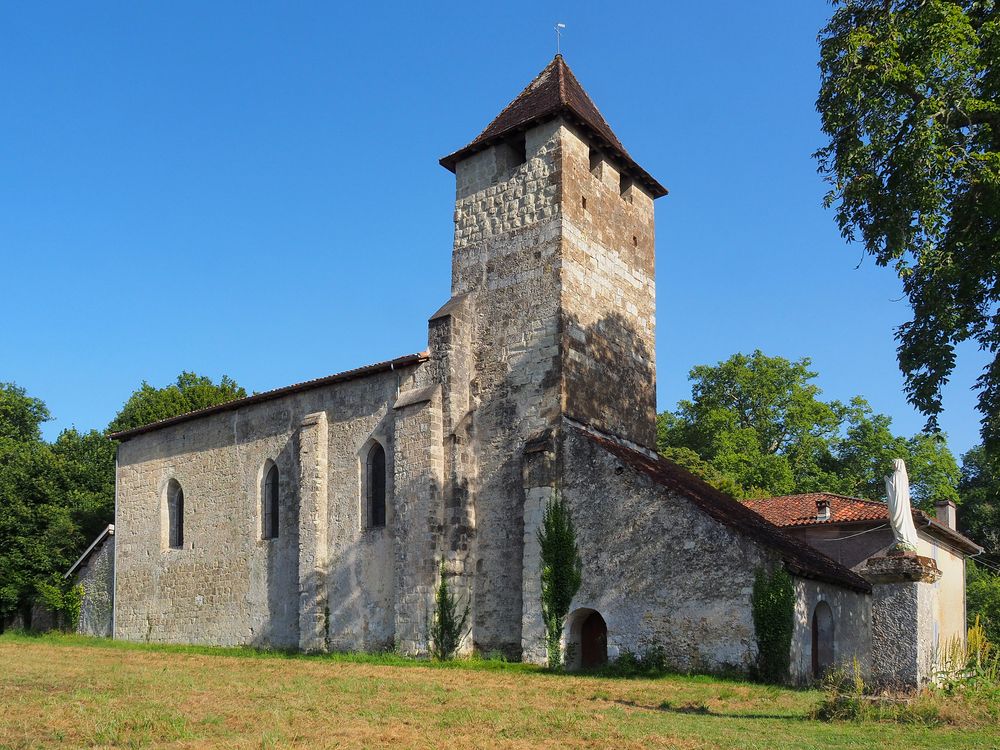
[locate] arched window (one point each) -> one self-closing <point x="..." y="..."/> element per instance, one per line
<point x="376" y="486"/>
<point x="822" y="639"/>
<point x="175" y="515"/>
<point x="269" y="529"/>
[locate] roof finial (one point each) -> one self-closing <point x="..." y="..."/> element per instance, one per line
<point x="559" y="28"/>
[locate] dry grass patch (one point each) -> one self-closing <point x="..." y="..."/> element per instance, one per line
<point x="75" y="693"/>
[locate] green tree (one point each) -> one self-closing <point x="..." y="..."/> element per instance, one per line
<point x="562" y="571"/>
<point x="39" y="537"/>
<point x="980" y="492"/>
<point x="910" y="102"/>
<point x="773" y="609"/>
<point x="759" y="427"/>
<point x="21" y="415"/>
<point x="55" y="498"/>
<point x="188" y="393"/>
<point x="447" y="625"/>
<point x="982" y="589"/>
<point x="87" y="463"/>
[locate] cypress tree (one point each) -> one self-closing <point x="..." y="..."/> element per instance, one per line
<point x="561" y="573"/>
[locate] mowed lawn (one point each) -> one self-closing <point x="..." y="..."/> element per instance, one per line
<point x="59" y="691"/>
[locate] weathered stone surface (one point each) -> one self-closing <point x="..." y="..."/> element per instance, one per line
<point x="852" y="631"/>
<point x="228" y="585"/>
<point x="660" y="572"/>
<point x="905" y="639"/>
<point x="900" y="568"/>
<point x="97" y="576"/>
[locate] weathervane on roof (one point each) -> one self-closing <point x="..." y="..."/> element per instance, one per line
<point x="559" y="28"/>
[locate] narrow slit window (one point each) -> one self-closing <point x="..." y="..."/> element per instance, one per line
<point x="376" y="486"/>
<point x="175" y="516"/>
<point x="271" y="496"/>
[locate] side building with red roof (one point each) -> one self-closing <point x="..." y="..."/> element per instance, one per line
<point x="854" y="530"/>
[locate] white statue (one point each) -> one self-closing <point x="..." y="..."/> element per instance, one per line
<point x="897" y="488"/>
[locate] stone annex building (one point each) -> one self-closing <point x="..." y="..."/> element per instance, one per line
<point x="315" y="516"/>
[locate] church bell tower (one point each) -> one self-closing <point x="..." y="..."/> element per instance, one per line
<point x="552" y="315"/>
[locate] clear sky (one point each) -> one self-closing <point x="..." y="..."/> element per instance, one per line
<point x="252" y="189"/>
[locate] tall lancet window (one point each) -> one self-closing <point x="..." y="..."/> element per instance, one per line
<point x="270" y="501"/>
<point x="376" y="486"/>
<point x="175" y="515"/>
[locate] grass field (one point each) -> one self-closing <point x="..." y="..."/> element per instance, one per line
<point x="66" y="691"/>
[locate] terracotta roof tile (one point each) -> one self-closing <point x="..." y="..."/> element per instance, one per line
<point x="800" y="510"/>
<point x="555" y="91"/>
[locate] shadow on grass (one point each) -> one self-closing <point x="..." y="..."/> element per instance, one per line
<point x="700" y="709"/>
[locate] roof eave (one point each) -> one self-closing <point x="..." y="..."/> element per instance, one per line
<point x="359" y="372"/>
<point x="799" y="572"/>
<point x="954" y="536"/>
<point x="109" y="530"/>
<point x="656" y="190"/>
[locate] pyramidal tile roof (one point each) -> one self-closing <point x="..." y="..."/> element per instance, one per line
<point x="556" y="92"/>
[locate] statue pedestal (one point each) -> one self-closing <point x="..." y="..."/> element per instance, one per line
<point x="903" y="597"/>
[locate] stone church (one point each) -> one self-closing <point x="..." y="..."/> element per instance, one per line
<point x="315" y="516"/>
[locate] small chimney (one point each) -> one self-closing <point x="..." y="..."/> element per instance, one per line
<point x="945" y="510"/>
<point x="823" y="509"/>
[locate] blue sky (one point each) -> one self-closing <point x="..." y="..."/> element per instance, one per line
<point x="252" y="189"/>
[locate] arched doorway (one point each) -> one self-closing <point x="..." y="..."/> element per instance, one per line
<point x="822" y="639"/>
<point x="585" y="639"/>
<point x="593" y="641"/>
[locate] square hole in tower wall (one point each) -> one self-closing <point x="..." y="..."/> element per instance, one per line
<point x="625" y="185"/>
<point x="519" y="149"/>
<point x="594" y="159"/>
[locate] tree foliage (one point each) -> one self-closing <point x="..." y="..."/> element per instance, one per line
<point x="562" y="571"/>
<point x="910" y="102"/>
<point x="38" y="532"/>
<point x="980" y="491"/>
<point x="21" y="415"/>
<point x="757" y="427"/>
<point x="56" y="497"/>
<point x="188" y="393"/>
<point x="773" y="608"/>
<point x="983" y="599"/>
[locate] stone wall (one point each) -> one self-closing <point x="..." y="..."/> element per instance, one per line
<point x="904" y="651"/>
<point x="227" y="585"/>
<point x="948" y="620"/>
<point x="661" y="572"/>
<point x="419" y="517"/>
<point x="507" y="264"/>
<point x="852" y="634"/>
<point x="608" y="295"/>
<point x="97" y="576"/>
